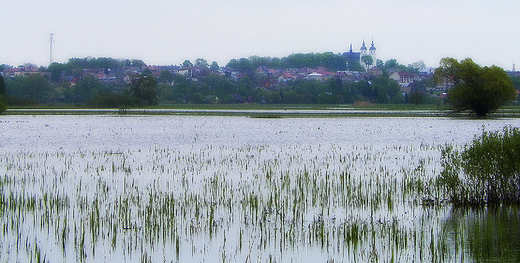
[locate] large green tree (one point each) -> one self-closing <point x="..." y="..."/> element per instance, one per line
<point x="214" y="66"/>
<point x="30" y="87"/>
<point x="187" y="64"/>
<point x="200" y="62"/>
<point x="166" y="76"/>
<point x="144" y="88"/>
<point x="481" y="90"/>
<point x="367" y="60"/>
<point x="86" y="89"/>
<point x="55" y="69"/>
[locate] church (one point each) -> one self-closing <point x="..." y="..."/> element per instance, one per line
<point x="363" y="51"/>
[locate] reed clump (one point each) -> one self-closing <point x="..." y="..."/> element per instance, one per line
<point x="485" y="172"/>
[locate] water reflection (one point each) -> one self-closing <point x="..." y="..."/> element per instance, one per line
<point x="489" y="234"/>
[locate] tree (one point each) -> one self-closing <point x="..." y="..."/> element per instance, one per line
<point x="55" y="69"/>
<point x="367" y="60"/>
<point x="480" y="90"/>
<point x="200" y="62"/>
<point x="354" y="65"/>
<point x="146" y="72"/>
<point x="391" y="63"/>
<point x="166" y="76"/>
<point x="30" y="87"/>
<point x="214" y="66"/>
<point x="2" y="106"/>
<point x="144" y="88"/>
<point x="87" y="88"/>
<point x="380" y="64"/>
<point x="138" y="63"/>
<point x="418" y="66"/>
<point x="3" y="89"/>
<point x="3" y="92"/>
<point x="385" y="88"/>
<point x="416" y="98"/>
<point x="187" y="64"/>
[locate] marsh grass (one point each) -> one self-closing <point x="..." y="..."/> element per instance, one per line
<point x="244" y="203"/>
<point x="485" y="172"/>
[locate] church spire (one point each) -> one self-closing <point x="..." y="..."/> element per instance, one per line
<point x="363" y="47"/>
<point x="372" y="47"/>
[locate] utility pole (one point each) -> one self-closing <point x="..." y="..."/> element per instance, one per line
<point x="51" y="40"/>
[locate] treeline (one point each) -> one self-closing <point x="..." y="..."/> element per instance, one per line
<point x="238" y="82"/>
<point x="207" y="88"/>
<point x="101" y="62"/>
<point x="75" y="66"/>
<point x="328" y="60"/>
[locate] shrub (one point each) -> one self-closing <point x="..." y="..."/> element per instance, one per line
<point x="112" y="101"/>
<point x="485" y="172"/>
<point x="2" y="106"/>
<point x="15" y="101"/>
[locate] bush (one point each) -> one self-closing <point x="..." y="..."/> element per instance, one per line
<point x="3" y="107"/>
<point x="112" y="101"/>
<point x="15" y="101"/>
<point x="486" y="172"/>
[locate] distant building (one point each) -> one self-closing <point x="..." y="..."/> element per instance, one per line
<point x="405" y="79"/>
<point x="315" y="76"/>
<point x="363" y="51"/>
<point x="352" y="55"/>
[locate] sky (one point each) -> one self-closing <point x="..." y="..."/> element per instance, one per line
<point x="167" y="32"/>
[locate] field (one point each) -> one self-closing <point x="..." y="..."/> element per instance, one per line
<point x="175" y="188"/>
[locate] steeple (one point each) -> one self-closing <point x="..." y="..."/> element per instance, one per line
<point x="372" y="47"/>
<point x="363" y="47"/>
<point x="350" y="48"/>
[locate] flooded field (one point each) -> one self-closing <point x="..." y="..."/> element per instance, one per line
<point x="237" y="189"/>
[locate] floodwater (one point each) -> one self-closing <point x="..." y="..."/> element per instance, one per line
<point x="233" y="189"/>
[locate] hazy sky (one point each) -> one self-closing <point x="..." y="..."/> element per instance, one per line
<point x="164" y="32"/>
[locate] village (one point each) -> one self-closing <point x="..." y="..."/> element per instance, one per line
<point x="360" y="76"/>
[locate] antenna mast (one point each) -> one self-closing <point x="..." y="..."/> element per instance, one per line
<point x="51" y="40"/>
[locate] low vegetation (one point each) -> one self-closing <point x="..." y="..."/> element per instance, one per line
<point x="2" y="106"/>
<point x="485" y="172"/>
<point x="112" y="101"/>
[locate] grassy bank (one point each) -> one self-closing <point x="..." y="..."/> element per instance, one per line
<point x="263" y="110"/>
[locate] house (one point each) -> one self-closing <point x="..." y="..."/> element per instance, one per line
<point x="404" y="78"/>
<point x="70" y="79"/>
<point x="100" y="76"/>
<point x="22" y="71"/>
<point x="315" y="76"/>
<point x="375" y="71"/>
<point x="284" y="77"/>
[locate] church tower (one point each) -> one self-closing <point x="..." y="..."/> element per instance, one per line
<point x="363" y="49"/>
<point x="351" y="56"/>
<point x="372" y="53"/>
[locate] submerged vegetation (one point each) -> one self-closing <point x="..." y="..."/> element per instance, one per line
<point x="249" y="203"/>
<point x="239" y="200"/>
<point x="485" y="172"/>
